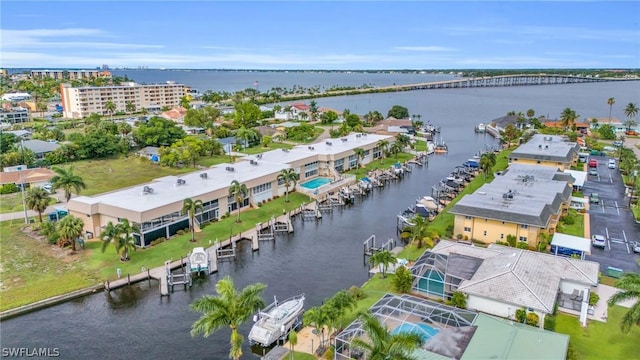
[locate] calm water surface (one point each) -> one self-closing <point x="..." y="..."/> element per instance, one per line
<point x="319" y="258"/>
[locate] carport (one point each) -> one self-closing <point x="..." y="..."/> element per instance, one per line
<point x="580" y="176"/>
<point x="568" y="245"/>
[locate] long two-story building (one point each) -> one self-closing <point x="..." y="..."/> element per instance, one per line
<point x="155" y="208"/>
<point x="546" y="150"/>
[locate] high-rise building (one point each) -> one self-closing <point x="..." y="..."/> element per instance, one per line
<point x="79" y="102"/>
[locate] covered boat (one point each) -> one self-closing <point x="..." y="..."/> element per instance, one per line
<point x="276" y="320"/>
<point x="199" y="260"/>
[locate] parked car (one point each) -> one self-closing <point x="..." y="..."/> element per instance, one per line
<point x="617" y="143"/>
<point x="612" y="163"/>
<point x="593" y="163"/>
<point x="48" y="187"/>
<point x="593" y="171"/>
<point x="635" y="245"/>
<point x="598" y="241"/>
<point x="594" y="198"/>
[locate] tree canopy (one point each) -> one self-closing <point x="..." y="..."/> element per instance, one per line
<point x="158" y="132"/>
<point x="398" y="112"/>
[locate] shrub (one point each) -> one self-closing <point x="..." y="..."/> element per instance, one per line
<point x="357" y="293"/>
<point x="532" y="319"/>
<point x="180" y="232"/>
<point x="402" y="280"/>
<point x="9" y="189"/>
<point x="329" y="353"/>
<point x="568" y="220"/>
<point x="550" y="323"/>
<point x="593" y="298"/>
<point x="459" y="300"/>
<point x="459" y="236"/>
<point x="504" y="243"/>
<point x="521" y="315"/>
<point x="522" y="245"/>
<point x="259" y="203"/>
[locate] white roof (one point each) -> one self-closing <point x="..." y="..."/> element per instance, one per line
<point x="166" y="191"/>
<point x="580" y="177"/>
<point x="571" y="242"/>
<point x="345" y="143"/>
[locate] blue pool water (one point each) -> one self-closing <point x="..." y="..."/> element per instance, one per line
<point x="315" y="183"/>
<point x="424" y="330"/>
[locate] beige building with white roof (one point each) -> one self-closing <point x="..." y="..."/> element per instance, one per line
<point x="156" y="207"/>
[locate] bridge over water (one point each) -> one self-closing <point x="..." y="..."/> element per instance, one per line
<point x="501" y="80"/>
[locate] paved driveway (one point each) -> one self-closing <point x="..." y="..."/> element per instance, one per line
<point x="613" y="219"/>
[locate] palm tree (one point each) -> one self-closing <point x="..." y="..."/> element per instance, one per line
<point x="130" y="106"/>
<point x="487" y="162"/>
<point x="121" y="235"/>
<point x="419" y="232"/>
<point x="288" y="177"/>
<point x="65" y="179"/>
<point x="630" y="110"/>
<point x="229" y="308"/>
<point x="383" y="145"/>
<point x="240" y="192"/>
<point x="318" y="317"/>
<point x="110" y="106"/>
<point x="630" y="285"/>
<point x="293" y="341"/>
<point x="382" y="259"/>
<point x="395" y="148"/>
<point x="568" y="118"/>
<point x="37" y="199"/>
<point x="70" y="228"/>
<point x="610" y="102"/>
<point x="359" y="153"/>
<point x="192" y="207"/>
<point x="381" y="344"/>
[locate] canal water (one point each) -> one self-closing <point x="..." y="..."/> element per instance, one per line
<point x="318" y="259"/>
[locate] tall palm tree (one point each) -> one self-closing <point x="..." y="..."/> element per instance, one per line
<point x="568" y="118"/>
<point x="229" y="308"/>
<point x="630" y="285"/>
<point x="395" y="148"/>
<point x="130" y="106"/>
<point x="382" y="259"/>
<point x="383" y="145"/>
<point x="419" y="232"/>
<point x="318" y="317"/>
<point x="293" y="341"/>
<point x="289" y="178"/>
<point x="192" y="207"/>
<point x="70" y="228"/>
<point x="380" y="344"/>
<point x="110" y="106"/>
<point x="610" y="102"/>
<point x="110" y="234"/>
<point x="240" y="192"/>
<point x="630" y="110"/>
<point x="37" y="199"/>
<point x="65" y="179"/>
<point x="359" y="153"/>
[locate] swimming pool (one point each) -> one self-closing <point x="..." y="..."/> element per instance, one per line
<point x="315" y="183"/>
<point x="424" y="330"/>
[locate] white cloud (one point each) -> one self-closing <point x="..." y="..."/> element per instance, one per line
<point x="36" y="39"/>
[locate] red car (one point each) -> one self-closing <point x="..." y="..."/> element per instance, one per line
<point x="593" y="163"/>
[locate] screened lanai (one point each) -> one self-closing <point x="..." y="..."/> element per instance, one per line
<point x="445" y="330"/>
<point x="439" y="275"/>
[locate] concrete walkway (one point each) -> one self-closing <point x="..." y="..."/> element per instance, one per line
<point x="601" y="309"/>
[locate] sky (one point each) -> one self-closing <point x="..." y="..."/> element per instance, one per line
<point x="322" y="35"/>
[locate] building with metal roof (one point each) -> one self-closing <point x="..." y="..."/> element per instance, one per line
<point x="546" y="150"/>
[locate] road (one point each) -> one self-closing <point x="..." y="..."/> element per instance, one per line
<point x="612" y="219"/>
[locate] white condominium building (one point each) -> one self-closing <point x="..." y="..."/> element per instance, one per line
<point x="79" y="102"/>
<point x="70" y="74"/>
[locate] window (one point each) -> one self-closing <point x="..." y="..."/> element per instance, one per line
<point x="501" y="236"/>
<point x="523" y="238"/>
<point x="467" y="229"/>
<point x="524" y="226"/>
<point x="467" y="217"/>
<point x="311" y="169"/>
<point x="261" y="188"/>
<point x="353" y="161"/>
<point x="484" y="233"/>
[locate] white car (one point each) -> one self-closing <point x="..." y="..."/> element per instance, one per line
<point x="598" y="241"/>
<point x="48" y="187"/>
<point x="612" y="164"/>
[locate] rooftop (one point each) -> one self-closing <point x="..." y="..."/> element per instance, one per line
<point x="517" y="197"/>
<point x="522" y="277"/>
<point x="542" y="147"/>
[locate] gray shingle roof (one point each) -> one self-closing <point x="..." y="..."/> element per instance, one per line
<point x="521" y="277"/>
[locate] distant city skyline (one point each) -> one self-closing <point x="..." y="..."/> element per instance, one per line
<point x="320" y="35"/>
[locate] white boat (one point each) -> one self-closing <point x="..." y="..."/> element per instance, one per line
<point x="480" y="128"/>
<point x="276" y="320"/>
<point x="199" y="260"/>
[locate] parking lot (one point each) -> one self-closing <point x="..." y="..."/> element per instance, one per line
<point x="612" y="219"/>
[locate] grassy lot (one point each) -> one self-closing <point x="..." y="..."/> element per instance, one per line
<point x="575" y="229"/>
<point x="272" y="146"/>
<point x="13" y="203"/>
<point x="601" y="340"/>
<point x="111" y="174"/>
<point x="380" y="164"/>
<point x="33" y="270"/>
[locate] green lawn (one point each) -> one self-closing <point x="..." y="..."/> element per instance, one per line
<point x="575" y="229"/>
<point x="260" y="149"/>
<point x="110" y="174"/>
<point x="380" y="164"/>
<point x="13" y="203"/>
<point x="601" y="340"/>
<point x="33" y="270"/>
